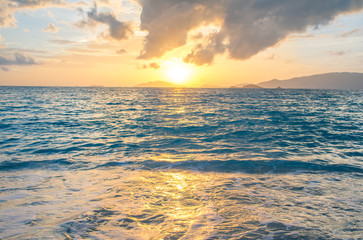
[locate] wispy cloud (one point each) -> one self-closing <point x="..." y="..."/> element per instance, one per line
<point x="121" y="51"/>
<point x="347" y="34"/>
<point x="50" y="14"/>
<point x="154" y="65"/>
<point x="51" y="28"/>
<point x="336" y="53"/>
<point x="35" y="3"/>
<point x="271" y="56"/>
<point x="151" y="65"/>
<point x="61" y="42"/>
<point x="1" y="44"/>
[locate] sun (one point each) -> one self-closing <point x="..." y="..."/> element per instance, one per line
<point x="177" y="72"/>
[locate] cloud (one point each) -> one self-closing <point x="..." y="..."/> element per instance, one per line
<point x="117" y="30"/>
<point x="8" y="7"/>
<point x="61" y="42"/>
<point x="336" y="53"/>
<point x="200" y="57"/>
<point x="151" y="65"/>
<point x="6" y="14"/>
<point x="169" y="22"/>
<point x="302" y="36"/>
<point x="121" y="51"/>
<point x="1" y="45"/>
<point x="34" y="3"/>
<point x="51" y="28"/>
<point x="246" y="27"/>
<point x="50" y="14"/>
<point x="347" y="34"/>
<point x="5" y="69"/>
<point x="204" y="55"/>
<point x="154" y="65"/>
<point x="271" y="57"/>
<point x="18" y="59"/>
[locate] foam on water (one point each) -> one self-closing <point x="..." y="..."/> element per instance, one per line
<point x="118" y="163"/>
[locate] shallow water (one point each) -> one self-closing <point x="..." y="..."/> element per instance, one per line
<point x="119" y="163"/>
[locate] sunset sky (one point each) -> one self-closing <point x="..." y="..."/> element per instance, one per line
<point x="191" y="42"/>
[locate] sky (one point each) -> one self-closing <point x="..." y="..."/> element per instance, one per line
<point x="122" y="43"/>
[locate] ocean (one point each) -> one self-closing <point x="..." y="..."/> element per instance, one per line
<point x="134" y="163"/>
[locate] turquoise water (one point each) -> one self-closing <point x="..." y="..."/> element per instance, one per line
<point x="128" y="163"/>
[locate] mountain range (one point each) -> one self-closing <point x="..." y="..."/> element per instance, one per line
<point x="342" y="80"/>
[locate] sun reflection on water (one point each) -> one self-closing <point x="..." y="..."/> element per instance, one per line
<point x="180" y="204"/>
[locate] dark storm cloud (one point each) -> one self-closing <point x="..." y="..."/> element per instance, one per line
<point x="117" y="29"/>
<point x="246" y="27"/>
<point x="17" y="59"/>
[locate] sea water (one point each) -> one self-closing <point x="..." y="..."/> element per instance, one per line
<point x="128" y="163"/>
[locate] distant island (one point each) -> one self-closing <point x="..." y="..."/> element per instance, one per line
<point x="158" y="84"/>
<point x="251" y="86"/>
<point x="344" y="80"/>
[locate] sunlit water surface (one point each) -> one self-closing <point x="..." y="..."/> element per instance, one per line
<point x="118" y="163"/>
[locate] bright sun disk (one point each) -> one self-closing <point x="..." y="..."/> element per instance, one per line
<point x="178" y="72"/>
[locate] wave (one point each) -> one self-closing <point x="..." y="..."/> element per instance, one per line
<point x="227" y="166"/>
<point x="48" y="164"/>
<point x="235" y="166"/>
<point x="252" y="166"/>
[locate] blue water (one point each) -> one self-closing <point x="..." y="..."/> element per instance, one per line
<point x="129" y="163"/>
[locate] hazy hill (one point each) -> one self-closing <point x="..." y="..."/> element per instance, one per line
<point x="343" y="80"/>
<point x="158" y="84"/>
<point x="246" y="86"/>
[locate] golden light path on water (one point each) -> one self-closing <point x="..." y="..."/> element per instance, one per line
<point x="171" y="204"/>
